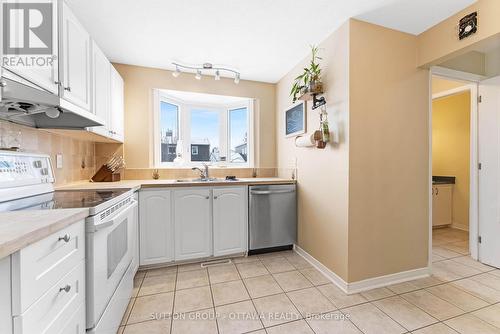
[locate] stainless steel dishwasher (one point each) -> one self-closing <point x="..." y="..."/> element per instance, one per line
<point x="272" y="218"/>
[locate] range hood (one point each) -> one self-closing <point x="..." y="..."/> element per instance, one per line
<point x="30" y="106"/>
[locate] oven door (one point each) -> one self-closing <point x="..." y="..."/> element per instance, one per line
<point x="110" y="249"/>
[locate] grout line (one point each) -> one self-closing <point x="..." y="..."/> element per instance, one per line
<point x="213" y="301"/>
<point x="173" y="299"/>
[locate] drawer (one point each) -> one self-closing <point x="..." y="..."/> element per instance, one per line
<point x="54" y="311"/>
<point x="36" y="268"/>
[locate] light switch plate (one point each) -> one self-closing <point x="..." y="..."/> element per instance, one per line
<point x="59" y="161"/>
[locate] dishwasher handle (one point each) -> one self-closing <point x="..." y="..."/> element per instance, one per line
<point x="270" y="192"/>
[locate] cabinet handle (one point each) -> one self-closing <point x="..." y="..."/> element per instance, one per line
<point x="207" y="197"/>
<point x="66" y="238"/>
<point x="57" y="83"/>
<point x="68" y="89"/>
<point x="215" y="197"/>
<point x="3" y="84"/>
<point x="66" y="288"/>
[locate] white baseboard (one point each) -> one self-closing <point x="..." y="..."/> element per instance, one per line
<point x="367" y="284"/>
<point x="460" y="227"/>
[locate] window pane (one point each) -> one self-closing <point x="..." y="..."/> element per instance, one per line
<point x="205" y="144"/>
<point x="238" y="132"/>
<point x="169" y="130"/>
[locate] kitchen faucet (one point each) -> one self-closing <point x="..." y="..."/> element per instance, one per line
<point x="204" y="174"/>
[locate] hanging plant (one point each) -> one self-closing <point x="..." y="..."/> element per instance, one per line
<point x="310" y="80"/>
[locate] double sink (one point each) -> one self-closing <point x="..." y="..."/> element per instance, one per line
<point x="208" y="180"/>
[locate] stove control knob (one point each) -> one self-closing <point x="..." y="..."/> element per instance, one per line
<point x="37" y="163"/>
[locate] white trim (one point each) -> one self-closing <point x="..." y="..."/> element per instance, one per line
<point x="367" y="284"/>
<point x="467" y="78"/>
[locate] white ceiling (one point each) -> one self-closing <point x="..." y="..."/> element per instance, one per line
<point x="263" y="39"/>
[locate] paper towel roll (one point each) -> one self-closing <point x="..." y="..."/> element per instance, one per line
<point x="305" y="141"/>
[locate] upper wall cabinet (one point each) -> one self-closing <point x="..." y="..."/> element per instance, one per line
<point x="46" y="77"/>
<point x="117" y="105"/>
<point x="76" y="60"/>
<point x="101" y="89"/>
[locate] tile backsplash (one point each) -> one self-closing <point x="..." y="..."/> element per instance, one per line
<point x="78" y="155"/>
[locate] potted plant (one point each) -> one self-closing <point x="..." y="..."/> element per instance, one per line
<point x="310" y="80"/>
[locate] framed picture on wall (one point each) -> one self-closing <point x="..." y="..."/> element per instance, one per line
<point x="295" y="119"/>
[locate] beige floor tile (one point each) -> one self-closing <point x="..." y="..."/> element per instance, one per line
<point x="146" y="307"/>
<point x="310" y="301"/>
<point x="223" y="273"/>
<point x="245" y="259"/>
<point x="127" y="312"/>
<point x="479" y="290"/>
<point x="157" y="284"/>
<point x="149" y="327"/>
<point x="332" y="323"/>
<point x="295" y="327"/>
<point x="140" y="273"/>
<point x="191" y="279"/>
<point x="251" y="269"/>
<point x="426" y="282"/>
<point x="137" y="285"/>
<point x="276" y="309"/>
<point x="449" y="270"/>
<point x="193" y="299"/>
<point x="371" y="320"/>
<point x="469" y="324"/>
<point x="446" y="253"/>
<point x="468" y="261"/>
<point x="495" y="272"/>
<point x="461" y="247"/>
<point x="161" y="271"/>
<point x="457" y="297"/>
<point x="487" y="279"/>
<point x="292" y="280"/>
<point x="433" y="305"/>
<point x="403" y="287"/>
<point x="437" y="258"/>
<point x="439" y="328"/>
<point x="120" y="330"/>
<point x="277" y="264"/>
<point x="198" y="322"/>
<point x="237" y="318"/>
<point x="490" y="314"/>
<point x="270" y="255"/>
<point x="339" y="298"/>
<point x="229" y="292"/>
<point x="406" y="314"/>
<point x="375" y="294"/>
<point x="262" y="286"/>
<point x="297" y="261"/>
<point x="314" y="276"/>
<point x="189" y="267"/>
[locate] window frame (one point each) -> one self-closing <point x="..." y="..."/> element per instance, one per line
<point x="184" y="126"/>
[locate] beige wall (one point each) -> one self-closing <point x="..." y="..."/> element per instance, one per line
<point x="139" y="85"/>
<point x="322" y="174"/>
<point x="388" y="153"/>
<point x="441" y="43"/>
<point x="440" y="84"/>
<point x="451" y="149"/>
<point x="472" y="62"/>
<point x="74" y="152"/>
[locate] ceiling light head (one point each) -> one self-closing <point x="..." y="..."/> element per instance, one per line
<point x="198" y="75"/>
<point x="237" y="78"/>
<point x="217" y="75"/>
<point x="177" y="72"/>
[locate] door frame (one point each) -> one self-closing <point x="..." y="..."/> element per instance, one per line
<point x="471" y="82"/>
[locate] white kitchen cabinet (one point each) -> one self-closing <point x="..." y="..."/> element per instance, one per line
<point x="192" y="223"/>
<point x="46" y="77"/>
<point x="101" y="89"/>
<point x="76" y="60"/>
<point x="155" y="226"/>
<point x="230" y="206"/>
<point x="117" y="105"/>
<point x="5" y="296"/>
<point x="442" y="204"/>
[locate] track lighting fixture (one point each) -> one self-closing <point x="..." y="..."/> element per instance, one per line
<point x="206" y="67"/>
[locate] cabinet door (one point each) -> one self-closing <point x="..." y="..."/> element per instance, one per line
<point x="101" y="89"/>
<point x="117" y="105"/>
<point x="76" y="60"/>
<point x="442" y="205"/>
<point x="46" y="76"/>
<point x="230" y="220"/>
<point x="192" y="224"/>
<point x="155" y="227"/>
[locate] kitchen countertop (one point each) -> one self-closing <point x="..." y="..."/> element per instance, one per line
<point x="19" y="229"/>
<point x="138" y="184"/>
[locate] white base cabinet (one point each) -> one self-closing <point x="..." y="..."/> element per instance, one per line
<point x="230" y="212"/>
<point x="155" y="227"/>
<point x="442" y="204"/>
<point x="192" y="223"/>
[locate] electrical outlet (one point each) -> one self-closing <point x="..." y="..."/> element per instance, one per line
<point x="59" y="161"/>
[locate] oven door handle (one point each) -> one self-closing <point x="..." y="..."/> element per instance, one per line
<point x="110" y="222"/>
